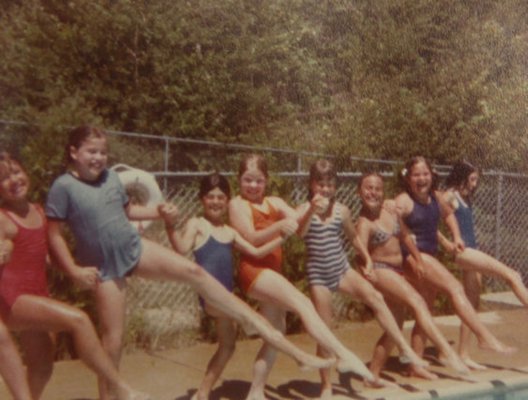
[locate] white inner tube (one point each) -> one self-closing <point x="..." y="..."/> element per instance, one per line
<point x="141" y="188"/>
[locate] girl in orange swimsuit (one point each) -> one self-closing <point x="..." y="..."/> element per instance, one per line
<point x="26" y="305"/>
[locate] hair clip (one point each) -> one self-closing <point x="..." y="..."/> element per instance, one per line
<point x="404" y="172"/>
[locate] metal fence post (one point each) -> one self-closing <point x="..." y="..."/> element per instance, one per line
<point x="498" y="217"/>
<point x="166" y="164"/>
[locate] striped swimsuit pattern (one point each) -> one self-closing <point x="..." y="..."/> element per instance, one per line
<point x="327" y="259"/>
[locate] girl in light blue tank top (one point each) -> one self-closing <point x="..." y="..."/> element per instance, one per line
<point x="461" y="185"/>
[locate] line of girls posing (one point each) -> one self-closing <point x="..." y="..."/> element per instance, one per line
<point x="396" y="242"/>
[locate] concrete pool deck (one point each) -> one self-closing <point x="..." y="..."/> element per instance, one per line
<point x="175" y="374"/>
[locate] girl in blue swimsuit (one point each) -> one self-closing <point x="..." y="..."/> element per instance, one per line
<point x="461" y="185"/>
<point x="212" y="242"/>
<point x="421" y="207"/>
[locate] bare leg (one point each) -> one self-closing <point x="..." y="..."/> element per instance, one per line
<point x="436" y="274"/>
<point x="267" y="355"/>
<point x="34" y="312"/>
<point x="226" y="331"/>
<point x="273" y="288"/>
<point x="322" y="300"/>
<point x="358" y="287"/>
<point x="38" y="353"/>
<point x="11" y="367"/>
<point x="472" y="285"/>
<point x="385" y="344"/>
<point x="395" y="286"/>
<point x="475" y="260"/>
<point x="158" y="262"/>
<point x="110" y="300"/>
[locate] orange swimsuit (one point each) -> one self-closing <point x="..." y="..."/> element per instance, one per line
<point x="251" y="267"/>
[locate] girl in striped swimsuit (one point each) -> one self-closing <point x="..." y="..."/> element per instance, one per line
<point x="322" y="227"/>
<point x="461" y="185"/>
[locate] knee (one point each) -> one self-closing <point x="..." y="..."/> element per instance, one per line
<point x="514" y="277"/>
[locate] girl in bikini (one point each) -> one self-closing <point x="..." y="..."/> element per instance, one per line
<point x="422" y="207"/>
<point x="461" y="185"/>
<point x="380" y="229"/>
<point x="328" y="270"/>
<point x="25" y="305"/>
<point x="211" y="242"/>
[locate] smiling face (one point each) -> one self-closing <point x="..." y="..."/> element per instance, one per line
<point x="371" y="193"/>
<point x="325" y="187"/>
<point x="253" y="183"/>
<point x="215" y="205"/>
<point x="420" y="180"/>
<point x="90" y="158"/>
<point x="14" y="182"/>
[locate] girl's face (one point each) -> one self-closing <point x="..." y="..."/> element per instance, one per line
<point x="215" y="205"/>
<point x="471" y="185"/>
<point x="90" y="158"/>
<point x="420" y="180"/>
<point x="253" y="184"/>
<point x="325" y="187"/>
<point x="371" y="192"/>
<point x="14" y="183"/>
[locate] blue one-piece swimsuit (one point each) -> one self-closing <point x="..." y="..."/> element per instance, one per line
<point x="423" y="223"/>
<point x="464" y="216"/>
<point x="216" y="258"/>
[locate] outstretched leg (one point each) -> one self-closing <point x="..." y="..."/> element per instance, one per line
<point x="34" y="312"/>
<point x="353" y="284"/>
<point x="38" y="354"/>
<point x="436" y="274"/>
<point x="158" y="262"/>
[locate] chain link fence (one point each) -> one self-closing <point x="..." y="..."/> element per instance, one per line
<point x="169" y="313"/>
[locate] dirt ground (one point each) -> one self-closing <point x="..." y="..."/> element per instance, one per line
<point x="175" y="374"/>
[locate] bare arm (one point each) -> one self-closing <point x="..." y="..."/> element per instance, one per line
<point x="245" y="247"/>
<point x="183" y="241"/>
<point x="85" y="277"/>
<point x="450" y="220"/>
<point x="350" y="232"/>
<point x="241" y="220"/>
<point x="6" y="244"/>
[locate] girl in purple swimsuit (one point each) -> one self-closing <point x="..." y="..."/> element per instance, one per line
<point x="380" y="229"/>
<point x="421" y="207"/>
<point x="461" y="185"/>
<point x="211" y="242"/>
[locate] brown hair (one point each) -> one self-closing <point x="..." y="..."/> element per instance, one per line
<point x="78" y="135"/>
<point x="7" y="162"/>
<point x="257" y="159"/>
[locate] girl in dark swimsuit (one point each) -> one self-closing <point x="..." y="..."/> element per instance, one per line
<point x="421" y="208"/>
<point x="461" y="185"/>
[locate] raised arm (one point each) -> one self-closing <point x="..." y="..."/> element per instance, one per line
<point x="183" y="241"/>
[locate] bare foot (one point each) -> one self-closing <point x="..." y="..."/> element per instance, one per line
<point x="497" y="346"/>
<point x="410" y="357"/>
<point x="454" y="362"/>
<point x="423" y="373"/>
<point x="326" y="394"/>
<point x="312" y="362"/>
<point x="124" y="392"/>
<point x="353" y="364"/>
<point x="379" y="383"/>
<point x="473" y="364"/>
